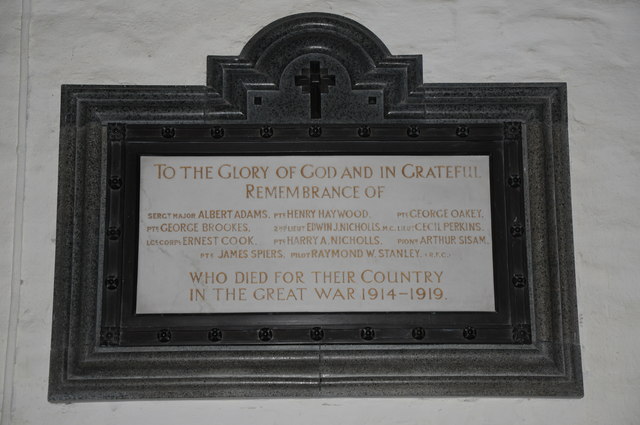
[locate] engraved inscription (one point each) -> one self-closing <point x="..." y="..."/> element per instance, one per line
<point x="314" y="233"/>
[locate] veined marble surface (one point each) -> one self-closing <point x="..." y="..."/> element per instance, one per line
<point x="314" y="234"/>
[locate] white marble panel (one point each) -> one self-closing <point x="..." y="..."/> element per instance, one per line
<point x="314" y="233"/>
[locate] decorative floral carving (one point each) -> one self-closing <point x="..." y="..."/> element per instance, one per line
<point x="469" y="332"/>
<point x="367" y="333"/>
<point x="109" y="337"/>
<point x="316" y="334"/>
<point x="265" y="334"/>
<point x="522" y="334"/>
<point x="164" y="335"/>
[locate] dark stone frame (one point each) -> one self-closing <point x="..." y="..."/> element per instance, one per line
<point x="508" y="324"/>
<point x="87" y="362"/>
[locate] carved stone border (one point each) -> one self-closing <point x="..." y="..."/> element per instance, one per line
<point x="87" y="364"/>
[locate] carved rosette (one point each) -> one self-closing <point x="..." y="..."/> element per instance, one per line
<point x="115" y="132"/>
<point x="522" y="334"/>
<point x="109" y="337"/>
<point x="512" y="130"/>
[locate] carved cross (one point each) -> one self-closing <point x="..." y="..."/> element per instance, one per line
<point x="315" y="81"/>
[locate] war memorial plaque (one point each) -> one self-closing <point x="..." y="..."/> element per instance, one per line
<point x="315" y="221"/>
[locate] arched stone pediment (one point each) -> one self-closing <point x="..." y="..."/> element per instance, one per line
<point x="272" y="58"/>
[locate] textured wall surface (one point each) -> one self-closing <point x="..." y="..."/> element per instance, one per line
<point x="592" y="45"/>
<point x="9" y="118"/>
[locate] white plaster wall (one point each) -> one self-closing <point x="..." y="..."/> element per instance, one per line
<point x="9" y="117"/>
<point x="592" y="45"/>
